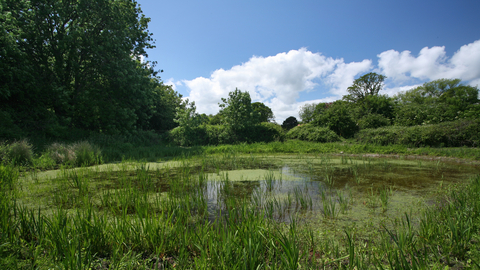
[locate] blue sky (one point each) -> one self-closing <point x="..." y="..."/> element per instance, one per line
<point x="288" y="53"/>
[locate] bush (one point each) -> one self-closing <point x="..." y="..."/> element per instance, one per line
<point x="217" y="134"/>
<point x="86" y="154"/>
<point x="309" y="132"/>
<point x="221" y="134"/>
<point x="20" y="153"/>
<point x="266" y="132"/>
<point x="448" y="134"/>
<point x="188" y="137"/>
<point x="290" y="123"/>
<point x="62" y="154"/>
<point x="338" y="118"/>
<point x="373" y="121"/>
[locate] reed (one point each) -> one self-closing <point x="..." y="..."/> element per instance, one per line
<point x="173" y="217"/>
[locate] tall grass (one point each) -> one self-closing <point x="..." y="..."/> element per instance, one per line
<point x="147" y="219"/>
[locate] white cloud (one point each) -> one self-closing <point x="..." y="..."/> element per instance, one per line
<point x="279" y="80"/>
<point x="432" y="64"/>
<point x="275" y="80"/>
<point x="345" y="74"/>
<point x="466" y="62"/>
<point x="173" y="83"/>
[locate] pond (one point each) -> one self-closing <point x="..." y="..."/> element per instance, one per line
<point x="316" y="189"/>
<point x="345" y="189"/>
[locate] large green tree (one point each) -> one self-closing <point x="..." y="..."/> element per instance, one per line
<point x="75" y="63"/>
<point x="338" y="117"/>
<point x="237" y="111"/>
<point x="307" y="112"/>
<point x="368" y="84"/>
<point x="263" y="112"/>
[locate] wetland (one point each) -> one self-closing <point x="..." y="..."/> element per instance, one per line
<point x="293" y="211"/>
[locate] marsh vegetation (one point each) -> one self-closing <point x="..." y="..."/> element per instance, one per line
<point x="237" y="211"/>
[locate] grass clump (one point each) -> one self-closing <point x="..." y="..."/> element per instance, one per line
<point x="86" y="154"/>
<point x="19" y="153"/>
<point x="61" y="153"/>
<point x="77" y="154"/>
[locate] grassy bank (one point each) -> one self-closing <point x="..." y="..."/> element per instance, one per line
<point x="105" y="150"/>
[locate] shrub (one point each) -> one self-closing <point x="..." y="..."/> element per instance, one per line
<point x="373" y="121"/>
<point x="62" y="154"/>
<point x="188" y="136"/>
<point x="449" y="134"/>
<point x="290" y="123"/>
<point x="266" y="132"/>
<point x="217" y="134"/>
<point x="86" y="154"/>
<point x="20" y="153"/>
<point x="338" y="117"/>
<point x="309" y="132"/>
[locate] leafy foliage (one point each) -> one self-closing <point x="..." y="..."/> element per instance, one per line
<point x="338" y="118"/>
<point x="435" y="102"/>
<point x="448" y="134"/>
<point x="267" y="132"/>
<point x="367" y="85"/>
<point x="237" y="111"/>
<point x="76" y="65"/>
<point x="307" y="112"/>
<point x="373" y="121"/>
<point x="188" y="131"/>
<point x="290" y="123"/>
<point x="263" y="112"/>
<point x="309" y="132"/>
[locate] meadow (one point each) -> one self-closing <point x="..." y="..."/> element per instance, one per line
<point x="292" y="205"/>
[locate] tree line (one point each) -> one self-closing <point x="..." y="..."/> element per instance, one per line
<point x="75" y="65"/>
<point x="364" y="107"/>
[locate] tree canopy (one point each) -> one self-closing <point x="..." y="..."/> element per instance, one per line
<point x="237" y="110"/>
<point x="76" y="64"/>
<point x="368" y="84"/>
<point x="290" y="123"/>
<point x="263" y="112"/>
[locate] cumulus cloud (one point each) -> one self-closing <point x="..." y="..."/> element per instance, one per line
<point x="275" y="80"/>
<point x="279" y="80"/>
<point x="345" y="74"/>
<point x="432" y="64"/>
<point x="173" y="83"/>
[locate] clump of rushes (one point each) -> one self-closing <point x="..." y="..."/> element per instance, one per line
<point x="20" y="153"/>
<point x="87" y="154"/>
<point x="384" y="194"/>
<point x="61" y="153"/>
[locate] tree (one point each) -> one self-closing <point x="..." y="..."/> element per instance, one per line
<point x="188" y="131"/>
<point x="237" y="111"/>
<point x="290" y="123"/>
<point x="434" y="102"/>
<point x="338" y="117"/>
<point x="75" y="64"/>
<point x="307" y="112"/>
<point x="163" y="110"/>
<point x="263" y="112"/>
<point x="368" y="84"/>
